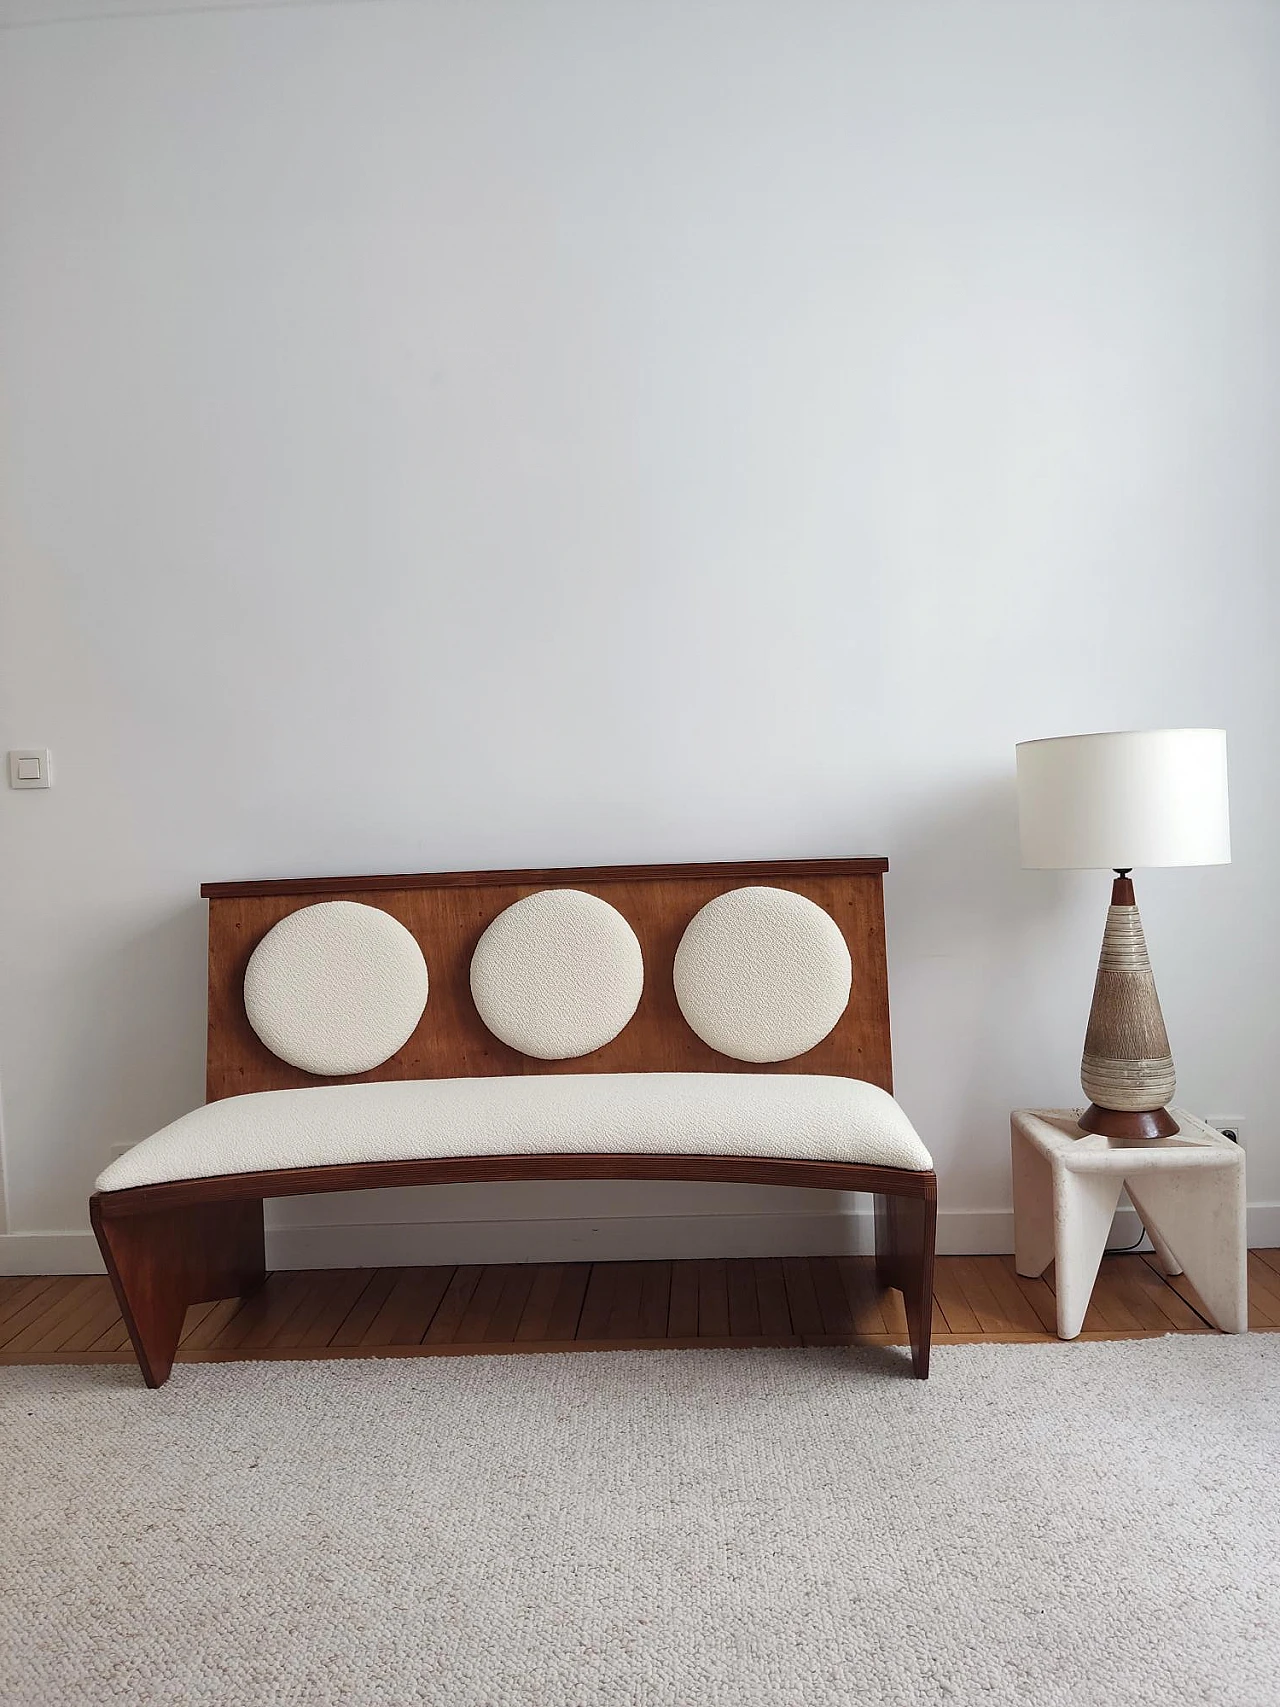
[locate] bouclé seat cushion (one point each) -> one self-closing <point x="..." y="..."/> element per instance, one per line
<point x="792" y="1116"/>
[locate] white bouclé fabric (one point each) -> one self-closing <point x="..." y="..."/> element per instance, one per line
<point x="557" y="974"/>
<point x="336" y="988"/>
<point x="1086" y="1525"/>
<point x="762" y="974"/>
<point x="802" y="1116"/>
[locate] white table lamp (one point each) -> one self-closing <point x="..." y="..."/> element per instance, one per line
<point x="1113" y="802"/>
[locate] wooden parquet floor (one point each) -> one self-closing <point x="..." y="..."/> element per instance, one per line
<point x="453" y="1311"/>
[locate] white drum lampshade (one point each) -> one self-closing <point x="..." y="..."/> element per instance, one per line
<point x="1116" y="802"/>
<point x="1141" y="797"/>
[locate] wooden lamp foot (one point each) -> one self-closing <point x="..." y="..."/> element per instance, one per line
<point x="1132" y="1123"/>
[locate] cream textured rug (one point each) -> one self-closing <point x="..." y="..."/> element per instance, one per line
<point x="1093" y="1524"/>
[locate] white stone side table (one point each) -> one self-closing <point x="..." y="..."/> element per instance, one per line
<point x="1188" y="1192"/>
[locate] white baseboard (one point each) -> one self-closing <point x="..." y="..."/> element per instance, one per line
<point x="49" y="1253"/>
<point x="620" y="1238"/>
<point x="961" y="1232"/>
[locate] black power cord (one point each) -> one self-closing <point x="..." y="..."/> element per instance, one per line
<point x="1121" y="1250"/>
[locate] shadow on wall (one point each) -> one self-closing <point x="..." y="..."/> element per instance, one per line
<point x="135" y="1026"/>
<point x="978" y="991"/>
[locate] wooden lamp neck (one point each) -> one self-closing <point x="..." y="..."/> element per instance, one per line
<point x="1122" y="890"/>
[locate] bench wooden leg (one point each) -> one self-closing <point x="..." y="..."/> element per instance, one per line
<point x="906" y="1228"/>
<point x="163" y="1261"/>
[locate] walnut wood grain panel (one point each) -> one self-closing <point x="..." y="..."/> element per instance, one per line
<point x="164" y="1261"/>
<point x="451" y="1040"/>
<point x="906" y="1237"/>
<point x="454" y="1170"/>
<point x="737" y="871"/>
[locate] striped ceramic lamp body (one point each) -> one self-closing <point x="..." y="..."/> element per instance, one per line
<point x="1127" y="1066"/>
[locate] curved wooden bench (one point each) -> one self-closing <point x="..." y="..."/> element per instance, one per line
<point x="178" y="1242"/>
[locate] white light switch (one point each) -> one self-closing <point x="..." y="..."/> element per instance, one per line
<point x="30" y="769"/>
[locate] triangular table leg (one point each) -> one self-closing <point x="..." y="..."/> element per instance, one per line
<point x="1084" y="1205"/>
<point x="1200" y="1221"/>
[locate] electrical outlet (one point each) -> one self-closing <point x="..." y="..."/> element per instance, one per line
<point x="31" y="767"/>
<point x="1228" y="1125"/>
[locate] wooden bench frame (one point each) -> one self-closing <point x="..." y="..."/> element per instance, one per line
<point x="172" y="1245"/>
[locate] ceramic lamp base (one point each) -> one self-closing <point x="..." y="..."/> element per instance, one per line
<point x="1127" y="1070"/>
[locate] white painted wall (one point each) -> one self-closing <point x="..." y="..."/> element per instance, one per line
<point x="464" y="434"/>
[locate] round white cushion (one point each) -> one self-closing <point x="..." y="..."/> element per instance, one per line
<point x="762" y="974"/>
<point x="336" y="988"/>
<point x="557" y="974"/>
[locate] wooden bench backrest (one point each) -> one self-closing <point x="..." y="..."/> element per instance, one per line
<point x="447" y="912"/>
